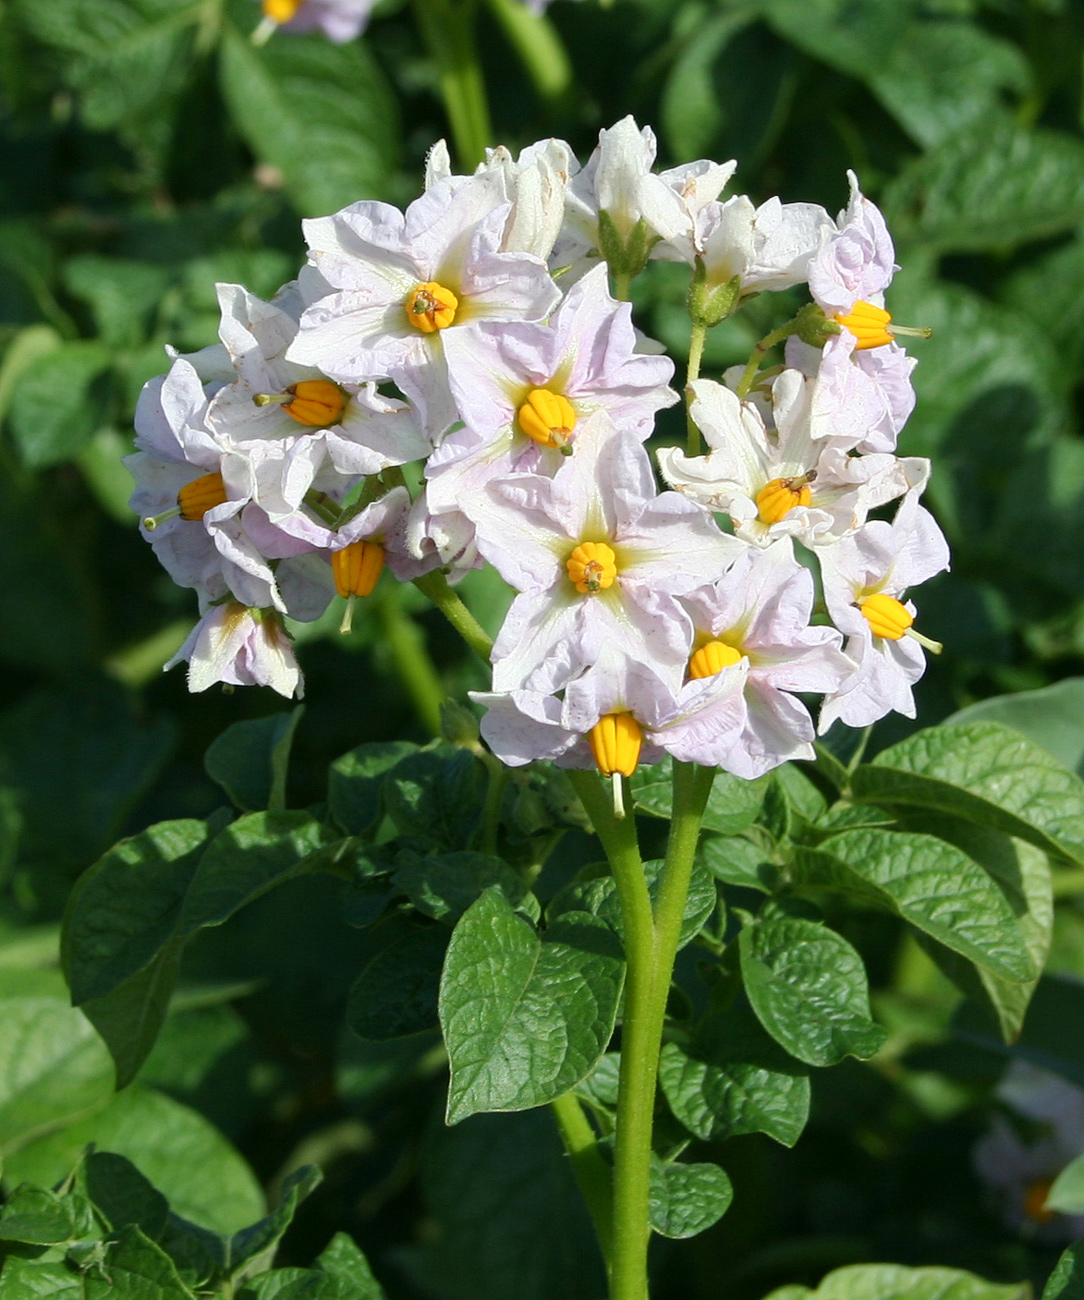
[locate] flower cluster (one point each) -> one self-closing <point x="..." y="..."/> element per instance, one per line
<point x="476" y="334"/>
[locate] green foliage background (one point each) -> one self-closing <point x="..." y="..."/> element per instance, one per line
<point x="147" y="151"/>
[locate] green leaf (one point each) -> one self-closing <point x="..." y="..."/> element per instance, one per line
<point x="509" y="1219"/>
<point x="894" y="1282"/>
<point x="738" y="861"/>
<point x="734" y="1079"/>
<point x="25" y="348"/>
<point x="122" y="294"/>
<point x="250" y="760"/>
<point x="732" y="805"/>
<point x="396" y="994"/>
<point x="355" y="784"/>
<point x="687" y="1199"/>
<point x="342" y="1259"/>
<point x="944" y="76"/>
<point x="178" y="1151"/>
<point x="55" y="406"/>
<point x="991" y="185"/>
<point x="988" y="774"/>
<point x="125" y="909"/>
<point x="124" y="56"/>
<point x="1022" y="873"/>
<point x="436" y="794"/>
<point x="851" y="35"/>
<point x="248" y="858"/>
<point x="1043" y="1040"/>
<point x="135" y="1269"/>
<point x="808" y="987"/>
<point x="1066" y="1194"/>
<point x="1052" y="717"/>
<point x="1067" y="1280"/>
<point x="525" y="1017"/>
<point x="53" y="1067"/>
<point x="692" y="115"/>
<point x="323" y="114"/>
<point x="249" y="1242"/>
<point x="90" y="742"/>
<point x="39" y="1217"/>
<point x="130" y="1017"/>
<point x="597" y="894"/>
<point x="444" y="886"/>
<point x="931" y="884"/>
<point x="121" y="1194"/>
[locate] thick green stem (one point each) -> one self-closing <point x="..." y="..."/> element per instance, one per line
<point x="435" y="586"/>
<point x="651" y="942"/>
<point x="622" y="283"/>
<point x="591" y="1169"/>
<point x="448" y="29"/>
<point x="535" y="40"/>
<point x="403" y="637"/>
<point x="697" y="338"/>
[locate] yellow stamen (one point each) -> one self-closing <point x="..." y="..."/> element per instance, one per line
<point x="615" y="742"/>
<point x="313" y="402"/>
<point x="712" y="658"/>
<point x="888" y="618"/>
<point x="592" y="566"/>
<point x="548" y="418"/>
<point x="781" y="495"/>
<point x="356" y="569"/>
<point x="431" y="307"/>
<point x="872" y="326"/>
<point x="201" y="495"/>
<point x="281" y="11"/>
<point x="1035" y="1201"/>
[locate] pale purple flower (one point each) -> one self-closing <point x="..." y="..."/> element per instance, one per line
<point x="372" y="432"/>
<point x="339" y="20"/>
<point x="762" y="609"/>
<point x="697" y="722"/>
<point x="587" y="353"/>
<point x="880" y="559"/>
<point x="832" y="490"/>
<point x="532" y="529"/>
<point x="241" y="647"/>
<point x="368" y="262"/>
<point x="857" y="263"/>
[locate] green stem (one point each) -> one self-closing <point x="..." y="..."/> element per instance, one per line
<point x="651" y="942"/>
<point x="759" y="352"/>
<point x="588" y="1164"/>
<point x="491" y="813"/>
<point x="403" y="638"/>
<point x="448" y="29"/>
<point x="697" y="338"/>
<point x="535" y="40"/>
<point x="435" y="586"/>
<point x="622" y="281"/>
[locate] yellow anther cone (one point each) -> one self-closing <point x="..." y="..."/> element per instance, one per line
<point x="201" y="495"/>
<point x="592" y="567"/>
<point x="616" y="740"/>
<point x="712" y="658"/>
<point x="316" y="403"/>
<point x="281" y="11"/>
<point x="547" y="417"/>
<point x="885" y="615"/>
<point x="431" y="307"/>
<point x="781" y="495"/>
<point x="357" y="568"/>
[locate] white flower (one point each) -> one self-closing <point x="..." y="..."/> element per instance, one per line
<point x="385" y="287"/>
<point x="242" y="647"/>
<point x="781" y="481"/>
<point x="865" y="577"/>
<point x="599" y="557"/>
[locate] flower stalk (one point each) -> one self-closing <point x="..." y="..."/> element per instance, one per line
<point x="448" y="30"/>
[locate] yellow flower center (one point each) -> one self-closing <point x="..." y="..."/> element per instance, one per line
<point x="357" y="567"/>
<point x="885" y="615"/>
<point x="712" y="658"/>
<point x="548" y="418"/>
<point x="873" y="328"/>
<point x="781" y="495"/>
<point x="316" y="402"/>
<point x="431" y="307"/>
<point x="615" y="742"/>
<point x="281" y="11"/>
<point x="592" y="567"/>
<point x="201" y="495"/>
